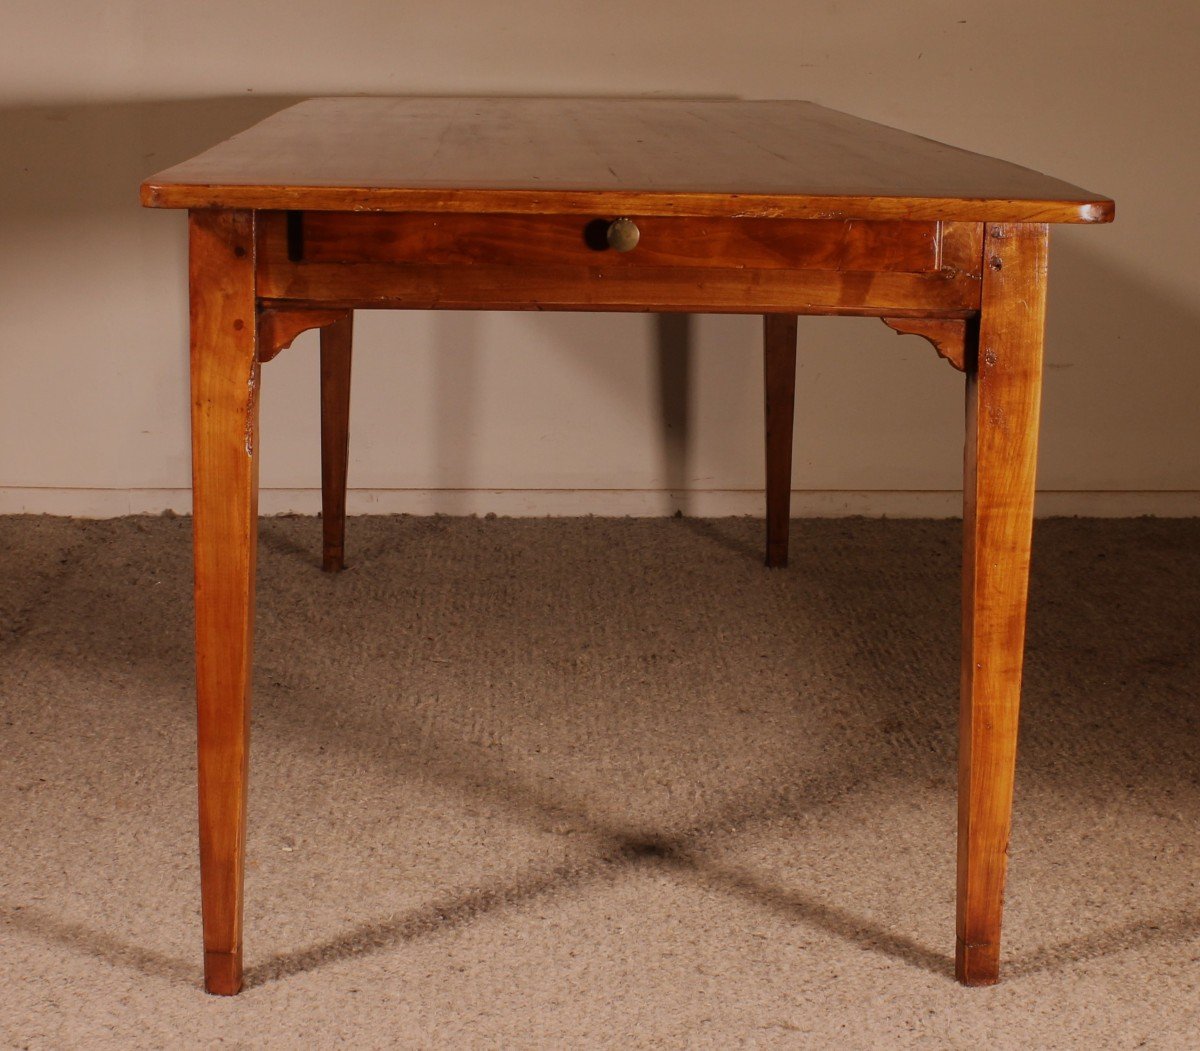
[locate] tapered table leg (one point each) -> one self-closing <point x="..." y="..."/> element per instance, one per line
<point x="1003" y="402"/>
<point x="779" y="390"/>
<point x="225" y="375"/>
<point x="336" y="342"/>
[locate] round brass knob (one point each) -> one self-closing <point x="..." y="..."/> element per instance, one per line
<point x="623" y="235"/>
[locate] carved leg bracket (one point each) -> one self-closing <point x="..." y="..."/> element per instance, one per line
<point x="279" y="326"/>
<point x="952" y="338"/>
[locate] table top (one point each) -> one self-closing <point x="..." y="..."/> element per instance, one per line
<point x="609" y="156"/>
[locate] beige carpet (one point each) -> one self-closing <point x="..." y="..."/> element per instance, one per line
<point x="597" y="783"/>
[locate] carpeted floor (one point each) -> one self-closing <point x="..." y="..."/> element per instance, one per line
<point x="598" y="783"/>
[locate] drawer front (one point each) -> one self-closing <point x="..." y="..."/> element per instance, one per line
<point x="446" y="239"/>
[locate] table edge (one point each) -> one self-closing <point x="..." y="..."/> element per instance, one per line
<point x="155" y="194"/>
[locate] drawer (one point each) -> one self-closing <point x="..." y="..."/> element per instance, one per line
<point x="465" y="240"/>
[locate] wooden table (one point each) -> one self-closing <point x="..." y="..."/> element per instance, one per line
<point x="772" y="208"/>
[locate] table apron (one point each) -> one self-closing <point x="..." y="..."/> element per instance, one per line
<point x="573" y="240"/>
<point x="543" y="262"/>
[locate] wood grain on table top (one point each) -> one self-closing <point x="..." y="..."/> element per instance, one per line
<point x="608" y="156"/>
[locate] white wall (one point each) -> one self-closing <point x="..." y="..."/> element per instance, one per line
<point x="530" y="413"/>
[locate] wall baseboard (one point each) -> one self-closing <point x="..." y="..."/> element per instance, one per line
<point x="712" y="503"/>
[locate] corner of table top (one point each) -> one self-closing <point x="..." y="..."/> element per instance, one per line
<point x="150" y="194"/>
<point x="1099" y="211"/>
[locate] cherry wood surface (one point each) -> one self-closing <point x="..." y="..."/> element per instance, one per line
<point x="948" y="336"/>
<point x="622" y="156"/>
<point x="779" y="209"/>
<point x="508" y="240"/>
<point x="779" y="402"/>
<point x="626" y="289"/>
<point x="279" y="326"/>
<point x="1003" y="406"/>
<point x="336" y="345"/>
<point x="225" y="375"/>
<point x="541" y="271"/>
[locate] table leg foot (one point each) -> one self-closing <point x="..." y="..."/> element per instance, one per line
<point x="976" y="964"/>
<point x="779" y="396"/>
<point x="223" y="973"/>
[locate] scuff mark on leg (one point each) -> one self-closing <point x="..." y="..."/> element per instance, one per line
<point x="252" y="394"/>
